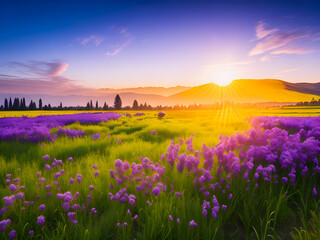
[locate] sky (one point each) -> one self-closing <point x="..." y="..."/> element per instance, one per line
<point x="76" y="46"/>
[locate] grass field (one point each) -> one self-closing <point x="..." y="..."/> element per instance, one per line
<point x="276" y="212"/>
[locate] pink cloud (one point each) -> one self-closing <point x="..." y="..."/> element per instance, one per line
<point x="291" y="50"/>
<point x="261" y="32"/>
<point x="91" y="40"/>
<point x="274" y="41"/>
<point x="56" y="68"/>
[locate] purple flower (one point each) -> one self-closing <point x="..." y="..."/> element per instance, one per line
<point x="192" y="223"/>
<point x="31" y="232"/>
<point x="76" y="206"/>
<point x="8" y="181"/>
<point x="71" y="181"/>
<point x="136" y="217"/>
<point x="91" y="187"/>
<point x="46" y="158"/>
<point x="314" y="192"/>
<point x="47" y="167"/>
<point x="71" y="215"/>
<point x="156" y="191"/>
<point x="178" y="220"/>
<point x="13" y="188"/>
<point x="284" y="180"/>
<point x="128" y="212"/>
<point x="93" y="211"/>
<point x="42" y="207"/>
<point x="8" y="175"/>
<point x="12" y="234"/>
<point x="170" y="218"/>
<point x="70" y="159"/>
<point x="230" y="196"/>
<point x="66" y="206"/>
<point x="41" y="220"/>
<point x="224" y="207"/>
<point x="20" y="195"/>
<point x="95" y="166"/>
<point x="124" y="224"/>
<point x="149" y="203"/>
<point x="3" y="210"/>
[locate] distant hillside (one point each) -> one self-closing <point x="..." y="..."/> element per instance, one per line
<point x="163" y="91"/>
<point x="269" y="91"/>
<point x="247" y="90"/>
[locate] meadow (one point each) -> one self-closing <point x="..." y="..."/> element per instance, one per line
<point x="83" y="199"/>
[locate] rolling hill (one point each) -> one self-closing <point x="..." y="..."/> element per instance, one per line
<point x="248" y="90"/>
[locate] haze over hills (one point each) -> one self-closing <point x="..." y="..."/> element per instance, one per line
<point x="240" y="90"/>
<point x="163" y="91"/>
<point x="248" y="90"/>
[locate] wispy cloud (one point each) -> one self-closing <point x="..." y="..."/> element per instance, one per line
<point x="245" y="62"/>
<point x="91" y="40"/>
<point x="262" y="32"/>
<point x="124" y="40"/>
<point x="274" y="42"/>
<point x="291" y="50"/>
<point x="288" y="70"/>
<point x="43" y="68"/>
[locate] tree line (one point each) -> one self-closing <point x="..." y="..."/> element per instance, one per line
<point x="20" y="104"/>
<point x="313" y="102"/>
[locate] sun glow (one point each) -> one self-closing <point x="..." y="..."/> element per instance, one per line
<point x="223" y="76"/>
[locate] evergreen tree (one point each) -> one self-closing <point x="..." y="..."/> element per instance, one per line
<point x="21" y="104"/>
<point x="105" y="106"/>
<point x="60" y="106"/>
<point x="6" y="106"/>
<point x="88" y="106"/>
<point x="91" y="106"/>
<point x="10" y="104"/>
<point x="24" y="104"/>
<point x="49" y="106"/>
<point x="16" y="104"/>
<point x="97" y="105"/>
<point x="135" y="105"/>
<point x="117" y="102"/>
<point x="32" y="105"/>
<point x="40" y="104"/>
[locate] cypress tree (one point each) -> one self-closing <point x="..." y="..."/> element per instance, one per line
<point x="40" y="104"/>
<point x="10" y="104"/>
<point x="6" y="106"/>
<point x="117" y="102"/>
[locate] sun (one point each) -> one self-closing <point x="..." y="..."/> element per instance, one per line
<point x="223" y="76"/>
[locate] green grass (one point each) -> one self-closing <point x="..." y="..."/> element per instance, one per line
<point x="276" y="211"/>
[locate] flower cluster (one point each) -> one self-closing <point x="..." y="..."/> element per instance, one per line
<point x="37" y="129"/>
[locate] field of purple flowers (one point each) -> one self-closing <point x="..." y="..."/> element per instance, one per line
<point x="107" y="176"/>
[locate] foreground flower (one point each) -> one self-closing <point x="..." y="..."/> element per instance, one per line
<point x="41" y="220"/>
<point x="12" y="234"/>
<point x="314" y="192"/>
<point x="42" y="207"/>
<point x="156" y="191"/>
<point x="192" y="223"/>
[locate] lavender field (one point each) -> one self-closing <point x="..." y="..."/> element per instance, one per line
<point x="172" y="175"/>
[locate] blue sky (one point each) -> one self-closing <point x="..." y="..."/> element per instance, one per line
<point x="99" y="44"/>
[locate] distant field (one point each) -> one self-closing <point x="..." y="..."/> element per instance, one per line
<point x="275" y="211"/>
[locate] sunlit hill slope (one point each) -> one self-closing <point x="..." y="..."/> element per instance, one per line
<point x="244" y="90"/>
